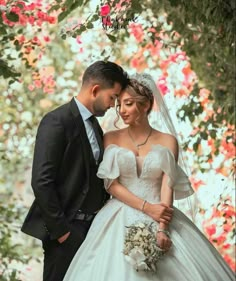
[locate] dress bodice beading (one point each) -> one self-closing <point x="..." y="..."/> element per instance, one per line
<point x="143" y="177"/>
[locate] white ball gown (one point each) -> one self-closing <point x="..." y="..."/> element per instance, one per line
<point x="101" y="258"/>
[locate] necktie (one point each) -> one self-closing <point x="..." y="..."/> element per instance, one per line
<point x="95" y="126"/>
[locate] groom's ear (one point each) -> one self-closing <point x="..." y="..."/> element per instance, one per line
<point x="95" y="89"/>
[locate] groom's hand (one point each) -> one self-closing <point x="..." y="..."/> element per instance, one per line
<point x="159" y="212"/>
<point x="63" y="238"/>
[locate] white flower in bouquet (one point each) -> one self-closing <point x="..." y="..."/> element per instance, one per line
<point x="140" y="247"/>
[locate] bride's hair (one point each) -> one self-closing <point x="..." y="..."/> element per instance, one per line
<point x="141" y="94"/>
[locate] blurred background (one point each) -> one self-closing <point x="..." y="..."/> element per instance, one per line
<point x="189" y="49"/>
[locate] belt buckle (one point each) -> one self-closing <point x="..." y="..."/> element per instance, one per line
<point x="82" y="216"/>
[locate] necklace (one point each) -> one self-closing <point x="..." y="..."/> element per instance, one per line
<point x="140" y="144"/>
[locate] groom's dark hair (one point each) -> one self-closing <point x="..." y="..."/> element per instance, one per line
<point x="105" y="73"/>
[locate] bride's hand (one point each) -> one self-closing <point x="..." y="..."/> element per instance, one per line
<point x="159" y="212"/>
<point x="63" y="238"/>
<point x="163" y="241"/>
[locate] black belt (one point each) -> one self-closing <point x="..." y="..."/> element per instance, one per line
<point x="80" y="215"/>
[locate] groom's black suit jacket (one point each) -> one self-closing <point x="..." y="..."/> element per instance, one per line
<point x="63" y="174"/>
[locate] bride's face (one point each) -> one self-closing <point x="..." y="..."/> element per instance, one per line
<point x="127" y="108"/>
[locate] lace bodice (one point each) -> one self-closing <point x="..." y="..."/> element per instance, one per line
<point x="145" y="182"/>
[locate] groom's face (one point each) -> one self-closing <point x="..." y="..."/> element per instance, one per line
<point x="105" y="98"/>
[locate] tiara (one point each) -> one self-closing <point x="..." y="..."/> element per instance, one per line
<point x="146" y="80"/>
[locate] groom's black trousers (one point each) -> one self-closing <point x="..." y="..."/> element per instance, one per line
<point x="58" y="256"/>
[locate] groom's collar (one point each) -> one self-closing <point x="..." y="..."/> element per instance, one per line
<point x="85" y="113"/>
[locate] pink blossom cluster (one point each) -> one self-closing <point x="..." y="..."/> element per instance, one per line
<point x="28" y="13"/>
<point x="219" y="227"/>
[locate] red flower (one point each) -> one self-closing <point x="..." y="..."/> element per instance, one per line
<point x="46" y="38"/>
<point x="211" y="229"/>
<point x="105" y="10"/>
<point x="106" y="21"/>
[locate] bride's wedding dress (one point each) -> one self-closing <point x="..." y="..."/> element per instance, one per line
<point x="101" y="258"/>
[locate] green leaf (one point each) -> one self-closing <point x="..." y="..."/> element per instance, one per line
<point x="2" y="30"/>
<point x="212" y="134"/>
<point x="204" y="135"/>
<point x="95" y="17"/>
<point x="20" y="5"/>
<point x="11" y="82"/>
<point x="89" y="25"/>
<point x="54" y="8"/>
<point x="191" y="117"/>
<point x="63" y="15"/>
<point x="12" y="17"/>
<point x="63" y="36"/>
<point x="111" y="37"/>
<point x="136" y="6"/>
<point x="76" y="4"/>
<point x="81" y="29"/>
<point x="68" y="4"/>
<point x="20" y="31"/>
<point x="195" y="146"/>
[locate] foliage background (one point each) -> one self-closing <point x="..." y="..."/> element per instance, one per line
<point x="189" y="48"/>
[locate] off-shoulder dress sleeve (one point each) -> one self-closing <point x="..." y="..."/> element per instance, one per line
<point x="109" y="168"/>
<point x="177" y="178"/>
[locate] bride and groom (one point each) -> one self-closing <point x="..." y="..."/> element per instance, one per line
<point x="86" y="197"/>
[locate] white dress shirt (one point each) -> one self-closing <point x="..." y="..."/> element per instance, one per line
<point x="85" y="113"/>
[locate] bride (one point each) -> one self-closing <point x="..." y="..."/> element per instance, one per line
<point x="140" y="169"/>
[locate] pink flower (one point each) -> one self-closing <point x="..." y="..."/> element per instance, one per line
<point x="31" y="7"/>
<point x="31" y="87"/>
<point x="226" y="246"/>
<point x="105" y="10"/>
<point x="51" y="19"/>
<point x="21" y="39"/>
<point x="78" y="40"/>
<point x="38" y="83"/>
<point x="211" y="230"/>
<point x="106" y="21"/>
<point x="48" y="90"/>
<point x="162" y="84"/>
<point x="230" y="261"/>
<point x="46" y="38"/>
<point x="137" y="31"/>
<point x="196" y="183"/>
<point x="31" y="20"/>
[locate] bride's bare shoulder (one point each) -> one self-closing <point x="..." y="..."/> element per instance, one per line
<point x="113" y="137"/>
<point x="167" y="140"/>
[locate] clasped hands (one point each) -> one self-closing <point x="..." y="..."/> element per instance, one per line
<point x="161" y="213"/>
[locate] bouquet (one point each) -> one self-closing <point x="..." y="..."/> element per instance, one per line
<point x="140" y="247"/>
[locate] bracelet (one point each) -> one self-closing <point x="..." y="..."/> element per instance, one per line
<point x="167" y="233"/>
<point x="143" y="205"/>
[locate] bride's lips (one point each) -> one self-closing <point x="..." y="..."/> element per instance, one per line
<point x="125" y="117"/>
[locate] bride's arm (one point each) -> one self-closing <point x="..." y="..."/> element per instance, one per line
<point x="166" y="191"/>
<point x="159" y="212"/>
<point x="163" y="237"/>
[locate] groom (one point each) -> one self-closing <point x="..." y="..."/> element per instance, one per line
<point x="68" y="150"/>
